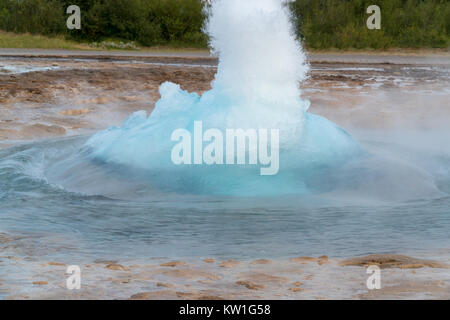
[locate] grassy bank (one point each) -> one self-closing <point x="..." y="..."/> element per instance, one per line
<point x="28" y="41"/>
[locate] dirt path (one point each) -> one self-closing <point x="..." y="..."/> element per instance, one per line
<point x="439" y="58"/>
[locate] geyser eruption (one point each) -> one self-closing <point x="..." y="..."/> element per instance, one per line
<point x="260" y="63"/>
<point x="257" y="87"/>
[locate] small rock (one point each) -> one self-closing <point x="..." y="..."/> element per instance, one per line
<point x="229" y="264"/>
<point x="165" y="285"/>
<point x="250" y="285"/>
<point x="322" y="260"/>
<point x="173" y="264"/>
<point x="116" y="267"/>
<point x="209" y="261"/>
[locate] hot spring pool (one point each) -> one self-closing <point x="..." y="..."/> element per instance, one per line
<point x="118" y="215"/>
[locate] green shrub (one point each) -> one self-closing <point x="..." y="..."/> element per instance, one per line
<point x="342" y="24"/>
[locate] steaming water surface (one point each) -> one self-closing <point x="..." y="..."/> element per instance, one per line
<point x="119" y="215"/>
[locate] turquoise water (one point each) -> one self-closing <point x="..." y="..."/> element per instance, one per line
<point x="58" y="203"/>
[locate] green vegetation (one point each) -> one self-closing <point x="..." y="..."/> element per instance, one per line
<point x="148" y="22"/>
<point x="28" y="41"/>
<point x="342" y="24"/>
<point x="321" y="24"/>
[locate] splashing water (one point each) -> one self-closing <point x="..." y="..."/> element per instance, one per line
<point x="261" y="65"/>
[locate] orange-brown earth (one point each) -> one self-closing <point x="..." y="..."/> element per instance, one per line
<point x="82" y="96"/>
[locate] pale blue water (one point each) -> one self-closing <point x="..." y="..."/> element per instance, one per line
<point x="90" y="210"/>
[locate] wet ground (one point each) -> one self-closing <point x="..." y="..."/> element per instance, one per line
<point x="45" y="97"/>
<point x="56" y="94"/>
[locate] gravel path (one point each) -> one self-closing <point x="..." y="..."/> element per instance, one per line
<point x="380" y="58"/>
